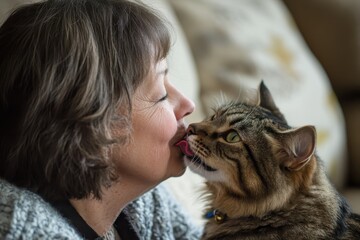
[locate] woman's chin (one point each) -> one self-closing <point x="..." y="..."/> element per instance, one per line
<point x="178" y="168"/>
<point x="181" y="171"/>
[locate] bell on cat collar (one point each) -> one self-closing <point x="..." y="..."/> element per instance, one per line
<point x="218" y="216"/>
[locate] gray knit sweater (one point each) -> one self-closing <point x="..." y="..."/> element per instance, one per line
<point x="155" y="215"/>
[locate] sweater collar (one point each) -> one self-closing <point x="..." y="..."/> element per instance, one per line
<point x="121" y="224"/>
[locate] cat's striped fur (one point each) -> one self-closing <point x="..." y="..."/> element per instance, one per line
<point x="266" y="177"/>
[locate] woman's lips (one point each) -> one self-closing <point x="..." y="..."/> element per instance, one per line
<point x="184" y="147"/>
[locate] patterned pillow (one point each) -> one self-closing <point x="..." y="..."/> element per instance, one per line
<point x="238" y="43"/>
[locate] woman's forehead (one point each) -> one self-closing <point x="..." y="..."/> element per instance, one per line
<point x="156" y="71"/>
<point x="152" y="79"/>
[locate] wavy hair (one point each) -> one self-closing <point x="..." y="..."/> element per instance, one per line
<point x="68" y="70"/>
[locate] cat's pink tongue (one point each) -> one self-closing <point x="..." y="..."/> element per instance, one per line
<point x="184" y="146"/>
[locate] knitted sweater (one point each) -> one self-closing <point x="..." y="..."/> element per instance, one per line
<point x="155" y="215"/>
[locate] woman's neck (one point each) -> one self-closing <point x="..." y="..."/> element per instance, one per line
<point x="100" y="215"/>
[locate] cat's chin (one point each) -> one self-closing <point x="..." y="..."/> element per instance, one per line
<point x="199" y="167"/>
<point x="198" y="163"/>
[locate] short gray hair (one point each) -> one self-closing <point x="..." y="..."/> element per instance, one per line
<point x="69" y="69"/>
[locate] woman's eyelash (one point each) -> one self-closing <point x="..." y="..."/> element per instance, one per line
<point x="163" y="98"/>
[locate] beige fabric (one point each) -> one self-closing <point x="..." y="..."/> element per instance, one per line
<point x="332" y="29"/>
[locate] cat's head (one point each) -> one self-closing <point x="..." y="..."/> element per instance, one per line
<point x="250" y="150"/>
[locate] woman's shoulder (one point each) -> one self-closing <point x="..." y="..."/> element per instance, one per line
<point x="25" y="215"/>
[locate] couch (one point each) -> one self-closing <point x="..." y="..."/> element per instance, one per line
<point x="223" y="49"/>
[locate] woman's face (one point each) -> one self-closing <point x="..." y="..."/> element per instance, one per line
<point x="158" y="123"/>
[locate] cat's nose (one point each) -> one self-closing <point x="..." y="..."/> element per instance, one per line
<point x="196" y="129"/>
<point x="190" y="130"/>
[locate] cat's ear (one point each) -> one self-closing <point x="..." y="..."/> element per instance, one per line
<point x="298" y="147"/>
<point x="266" y="100"/>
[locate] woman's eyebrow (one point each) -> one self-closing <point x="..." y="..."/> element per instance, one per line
<point x="164" y="71"/>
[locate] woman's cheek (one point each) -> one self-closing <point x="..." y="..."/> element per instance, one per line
<point x="167" y="124"/>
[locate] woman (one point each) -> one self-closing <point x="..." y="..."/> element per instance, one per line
<point x="89" y="120"/>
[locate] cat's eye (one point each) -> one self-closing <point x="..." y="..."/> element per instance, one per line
<point x="232" y="137"/>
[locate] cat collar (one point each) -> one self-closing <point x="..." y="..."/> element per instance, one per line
<point x="218" y="216"/>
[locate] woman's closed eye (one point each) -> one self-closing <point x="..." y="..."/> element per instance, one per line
<point x="163" y="98"/>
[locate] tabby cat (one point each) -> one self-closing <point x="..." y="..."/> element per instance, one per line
<point x="264" y="179"/>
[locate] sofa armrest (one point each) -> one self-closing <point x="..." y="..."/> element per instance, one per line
<point x="332" y="30"/>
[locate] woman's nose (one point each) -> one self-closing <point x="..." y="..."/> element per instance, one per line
<point x="190" y="105"/>
<point x="185" y="107"/>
